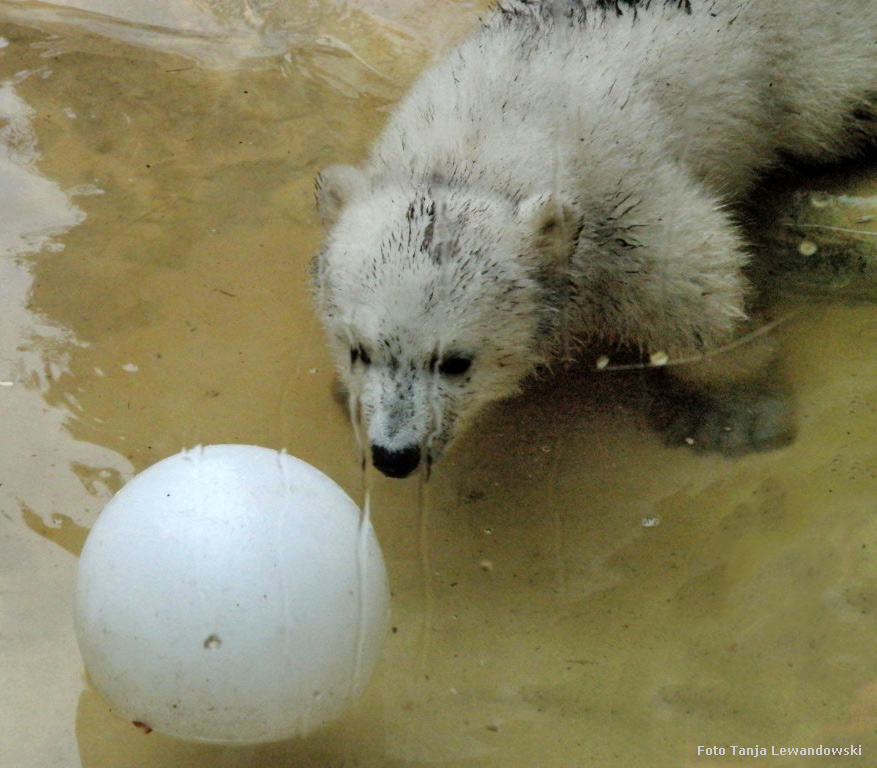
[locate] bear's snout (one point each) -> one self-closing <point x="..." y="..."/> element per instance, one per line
<point x="396" y="464"/>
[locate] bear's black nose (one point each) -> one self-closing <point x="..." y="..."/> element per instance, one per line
<point x="396" y="463"/>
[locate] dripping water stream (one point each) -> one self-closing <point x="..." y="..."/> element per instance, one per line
<point x="355" y="409"/>
<point x="423" y="527"/>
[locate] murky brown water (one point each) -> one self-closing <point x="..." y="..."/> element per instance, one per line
<point x="572" y="593"/>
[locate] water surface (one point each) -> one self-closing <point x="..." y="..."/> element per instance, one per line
<point x="567" y="591"/>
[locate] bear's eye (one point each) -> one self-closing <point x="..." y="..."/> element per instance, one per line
<point x="454" y="365"/>
<point x="358" y="354"/>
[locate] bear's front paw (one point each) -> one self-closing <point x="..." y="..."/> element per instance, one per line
<point x="733" y="423"/>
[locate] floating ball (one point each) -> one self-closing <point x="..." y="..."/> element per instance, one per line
<point x="231" y="593"/>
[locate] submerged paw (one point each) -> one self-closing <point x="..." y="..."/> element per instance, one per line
<point x="732" y="423"/>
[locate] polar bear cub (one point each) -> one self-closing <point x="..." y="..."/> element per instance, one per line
<point x="570" y="173"/>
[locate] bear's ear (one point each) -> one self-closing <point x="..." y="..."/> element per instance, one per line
<point x="335" y="185"/>
<point x="550" y="224"/>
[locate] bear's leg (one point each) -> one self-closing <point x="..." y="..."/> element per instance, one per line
<point x="733" y="402"/>
<point x="734" y="421"/>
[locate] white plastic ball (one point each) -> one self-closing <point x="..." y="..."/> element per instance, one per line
<point x="231" y="593"/>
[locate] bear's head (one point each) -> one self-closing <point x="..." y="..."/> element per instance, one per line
<point x="436" y="301"/>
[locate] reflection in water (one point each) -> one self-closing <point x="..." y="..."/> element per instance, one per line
<point x="34" y="351"/>
<point x="221" y="34"/>
<point x="34" y="211"/>
<point x="351" y="44"/>
<point x="540" y="616"/>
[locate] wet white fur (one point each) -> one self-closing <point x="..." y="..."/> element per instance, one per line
<point x="550" y="179"/>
